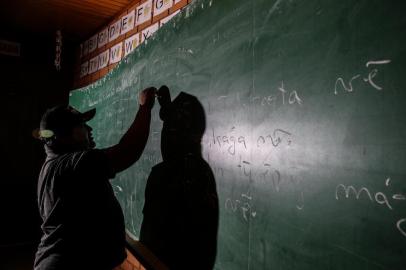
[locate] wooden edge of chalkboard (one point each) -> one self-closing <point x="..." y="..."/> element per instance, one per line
<point x="143" y="254"/>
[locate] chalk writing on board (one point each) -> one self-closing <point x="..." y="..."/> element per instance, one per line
<point x="277" y="137"/>
<point x="229" y="151"/>
<point x="292" y="98"/>
<point x="117" y="189"/>
<point x="274" y="178"/>
<point x="374" y="72"/>
<point x="234" y="142"/>
<point x="228" y="140"/>
<point x="340" y="83"/>
<point x="243" y="204"/>
<point x="245" y="168"/>
<point x="379" y="197"/>
<point x="279" y="96"/>
<point x="398" y="225"/>
<point x="151" y="158"/>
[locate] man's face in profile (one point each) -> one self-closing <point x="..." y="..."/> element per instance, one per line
<point x="82" y="137"/>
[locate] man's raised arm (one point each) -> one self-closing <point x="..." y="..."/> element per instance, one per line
<point x="132" y="144"/>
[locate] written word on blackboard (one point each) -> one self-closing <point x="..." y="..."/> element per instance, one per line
<point x="369" y="78"/>
<point x="347" y="192"/>
<point x="280" y="96"/>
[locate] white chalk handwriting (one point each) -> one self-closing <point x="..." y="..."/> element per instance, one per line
<point x="350" y="192"/>
<point x="243" y="204"/>
<point x="340" y="83"/>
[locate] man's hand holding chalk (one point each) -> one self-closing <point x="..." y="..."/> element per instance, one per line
<point x="147" y="97"/>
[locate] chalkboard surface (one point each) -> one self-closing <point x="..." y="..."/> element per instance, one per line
<point x="306" y="108"/>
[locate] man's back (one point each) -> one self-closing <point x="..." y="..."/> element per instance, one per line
<point x="81" y="216"/>
<point x="83" y="225"/>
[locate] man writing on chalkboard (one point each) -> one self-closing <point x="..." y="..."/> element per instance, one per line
<point x="83" y="224"/>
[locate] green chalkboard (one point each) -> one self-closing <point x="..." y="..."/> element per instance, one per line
<point x="306" y="126"/>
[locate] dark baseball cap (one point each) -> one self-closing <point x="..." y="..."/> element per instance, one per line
<point x="61" y="120"/>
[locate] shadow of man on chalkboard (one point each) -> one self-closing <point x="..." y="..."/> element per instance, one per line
<point x="181" y="205"/>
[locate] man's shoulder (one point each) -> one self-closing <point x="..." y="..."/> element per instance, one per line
<point x="88" y="157"/>
<point x="76" y="159"/>
<point x="88" y="154"/>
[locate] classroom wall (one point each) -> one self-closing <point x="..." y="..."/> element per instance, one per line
<point x="96" y="56"/>
<point x="30" y="84"/>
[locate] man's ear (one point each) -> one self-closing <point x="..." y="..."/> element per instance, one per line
<point x="49" y="141"/>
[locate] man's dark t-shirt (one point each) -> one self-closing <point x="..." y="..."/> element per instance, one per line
<point x="82" y="220"/>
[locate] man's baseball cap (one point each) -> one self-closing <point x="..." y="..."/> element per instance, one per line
<point x="61" y="120"/>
